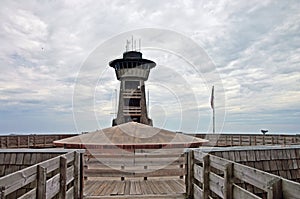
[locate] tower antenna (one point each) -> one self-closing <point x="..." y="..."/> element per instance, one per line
<point x="127" y="45"/>
<point x="131" y="42"/>
<point x="135" y="45"/>
<point x="140" y="41"/>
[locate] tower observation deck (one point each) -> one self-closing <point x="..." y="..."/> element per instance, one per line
<point x="132" y="70"/>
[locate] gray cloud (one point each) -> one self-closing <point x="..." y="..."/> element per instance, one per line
<point x="254" y="44"/>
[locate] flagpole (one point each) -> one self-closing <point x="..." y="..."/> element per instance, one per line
<point x="212" y="104"/>
<point x="214" y="121"/>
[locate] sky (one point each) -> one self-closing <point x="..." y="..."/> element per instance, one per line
<point x="55" y="76"/>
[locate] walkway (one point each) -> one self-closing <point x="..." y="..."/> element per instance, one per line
<point x="168" y="188"/>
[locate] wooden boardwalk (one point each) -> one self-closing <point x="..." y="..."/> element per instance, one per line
<point x="167" y="188"/>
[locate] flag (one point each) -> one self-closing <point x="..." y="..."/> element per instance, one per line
<point x="212" y="98"/>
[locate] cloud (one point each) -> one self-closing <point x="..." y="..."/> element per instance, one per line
<point x="254" y="45"/>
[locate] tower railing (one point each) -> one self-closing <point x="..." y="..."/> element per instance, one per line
<point x="132" y="94"/>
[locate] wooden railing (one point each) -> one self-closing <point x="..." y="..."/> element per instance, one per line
<point x="210" y="176"/>
<point x="249" y="139"/>
<point x="141" y="164"/>
<point x="46" y="141"/>
<point x="59" y="177"/>
<point x="31" y="141"/>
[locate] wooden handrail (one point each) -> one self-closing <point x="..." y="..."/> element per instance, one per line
<point x="68" y="170"/>
<point x="226" y="183"/>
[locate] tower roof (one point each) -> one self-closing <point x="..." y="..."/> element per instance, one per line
<point x="132" y="56"/>
<point x="131" y="135"/>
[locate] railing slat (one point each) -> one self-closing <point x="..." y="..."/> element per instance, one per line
<point x="216" y="184"/>
<point x="239" y="193"/>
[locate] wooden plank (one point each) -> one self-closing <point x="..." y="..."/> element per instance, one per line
<point x="63" y="177"/>
<point x="252" y="176"/>
<point x="290" y="189"/>
<point x="41" y="182"/>
<point x="198" y="173"/>
<point x="198" y="155"/>
<point x="129" y="173"/>
<point x="53" y="186"/>
<point x="216" y="184"/>
<point x="7" y="158"/>
<point x="70" y="193"/>
<point x="137" y="162"/>
<point x="19" y="158"/>
<point x="198" y="193"/>
<point x="217" y="162"/>
<point x="29" y="195"/>
<point x="16" y="180"/>
<point x="239" y="193"/>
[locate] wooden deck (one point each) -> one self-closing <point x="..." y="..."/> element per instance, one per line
<point x="167" y="188"/>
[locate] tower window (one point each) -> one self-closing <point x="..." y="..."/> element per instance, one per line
<point x="132" y="85"/>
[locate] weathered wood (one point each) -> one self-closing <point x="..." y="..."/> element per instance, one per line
<point x="228" y="175"/>
<point x="132" y="173"/>
<point x="76" y="175"/>
<point x="198" y="192"/>
<point x="198" y="173"/>
<point x="52" y="185"/>
<point x="217" y="162"/>
<point x="290" y="189"/>
<point x="239" y="193"/>
<point x="206" y="170"/>
<point x="198" y="155"/>
<point x="216" y="184"/>
<point x="189" y="179"/>
<point x="252" y="176"/>
<point x="63" y="177"/>
<point x="41" y="182"/>
<point x="29" y="195"/>
<point x="275" y="189"/>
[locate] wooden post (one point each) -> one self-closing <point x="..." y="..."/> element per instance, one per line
<point x="81" y="175"/>
<point x="145" y="167"/>
<point x="18" y="141"/>
<point x="122" y="168"/>
<point x="76" y="174"/>
<point x="63" y="177"/>
<point x="41" y="182"/>
<point x="2" y="192"/>
<point x="275" y="189"/>
<point x="189" y="179"/>
<point x="28" y="141"/>
<point x="7" y="142"/>
<point x="206" y="170"/>
<point x="45" y="143"/>
<point x="228" y="175"/>
<point x="231" y="139"/>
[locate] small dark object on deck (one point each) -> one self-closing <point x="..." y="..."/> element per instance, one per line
<point x="264" y="131"/>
